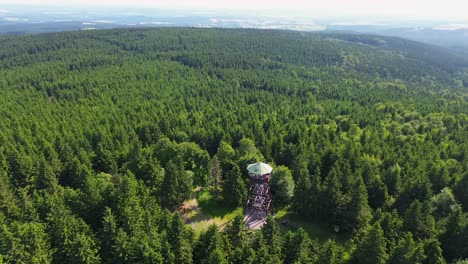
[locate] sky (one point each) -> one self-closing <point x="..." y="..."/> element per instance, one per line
<point x="402" y="9"/>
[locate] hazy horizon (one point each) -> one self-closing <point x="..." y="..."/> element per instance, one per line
<point x="449" y="10"/>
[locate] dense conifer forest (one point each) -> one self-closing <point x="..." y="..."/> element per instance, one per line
<point x="104" y="134"/>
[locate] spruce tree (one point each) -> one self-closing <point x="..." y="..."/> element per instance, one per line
<point x="301" y="203"/>
<point x="355" y="214"/>
<point x="234" y="189"/>
<point x="180" y="239"/>
<point x="273" y="238"/>
<point x="176" y="186"/>
<point x="419" y="220"/>
<point x="372" y="248"/>
<point x="433" y="252"/>
<point x="331" y="197"/>
<point x="407" y="251"/>
<point x="282" y="185"/>
<point x="461" y="192"/>
<point x="330" y="253"/>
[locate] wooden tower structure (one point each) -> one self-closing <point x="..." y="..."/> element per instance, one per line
<point x="258" y="204"/>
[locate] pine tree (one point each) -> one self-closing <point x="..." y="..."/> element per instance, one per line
<point x="108" y="234"/>
<point x="391" y="224"/>
<point x="377" y="192"/>
<point x="460" y="191"/>
<point x="407" y="251"/>
<point x="234" y="189"/>
<point x="282" y="185"/>
<point x="433" y="252"/>
<point x="216" y="252"/>
<point x="301" y="203"/>
<point x="263" y="253"/>
<point x="73" y="239"/>
<point x="25" y="243"/>
<point x="180" y="239"/>
<point x="176" y="186"/>
<point x="200" y="251"/>
<point x="355" y="214"/>
<point x="215" y="174"/>
<point x="392" y="179"/>
<point x="236" y="232"/>
<point x="330" y="253"/>
<point x="272" y="235"/>
<point x="372" y="249"/>
<point x="439" y="176"/>
<point x="331" y="197"/>
<point x="299" y="248"/>
<point x="314" y="204"/>
<point x="454" y="239"/>
<point x="419" y="220"/>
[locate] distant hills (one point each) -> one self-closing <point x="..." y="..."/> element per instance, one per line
<point x="16" y="20"/>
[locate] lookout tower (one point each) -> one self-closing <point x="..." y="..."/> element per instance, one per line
<point x="259" y="202"/>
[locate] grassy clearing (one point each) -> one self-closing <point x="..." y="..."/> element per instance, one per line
<point x="316" y="230"/>
<point x="204" y="211"/>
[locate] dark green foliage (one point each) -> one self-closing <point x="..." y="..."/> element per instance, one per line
<point x="433" y="252"/>
<point x="282" y="185"/>
<point x="200" y="251"/>
<point x="460" y="191"/>
<point x="273" y="238"/>
<point x="355" y="212"/>
<point x="331" y="197"/>
<point x="176" y="186"/>
<point x="216" y="252"/>
<point x="305" y="196"/>
<point x="419" y="220"/>
<point x="330" y="253"/>
<point x="180" y="239"/>
<point x="263" y="252"/>
<point x="25" y="243"/>
<point x="298" y="248"/>
<point x="455" y="239"/>
<point x="391" y="224"/>
<point x="407" y="251"/>
<point x="72" y="238"/>
<point x="372" y="248"/>
<point x="393" y="179"/>
<point x="234" y="189"/>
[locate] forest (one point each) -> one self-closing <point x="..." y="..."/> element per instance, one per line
<point x="105" y="133"/>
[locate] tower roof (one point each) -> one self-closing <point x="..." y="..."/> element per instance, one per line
<point x="259" y="168"/>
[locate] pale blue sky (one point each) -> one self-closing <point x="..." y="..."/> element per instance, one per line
<point x="406" y="9"/>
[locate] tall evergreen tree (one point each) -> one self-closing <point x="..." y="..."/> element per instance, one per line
<point x="234" y="189"/>
<point x="176" y="186"/>
<point x="392" y="179"/>
<point x="282" y="185"/>
<point x="302" y="194"/>
<point x="433" y="252"/>
<point x="407" y="251"/>
<point x="299" y="248"/>
<point x="419" y="220"/>
<point x="180" y="239"/>
<point x="25" y="243"/>
<point x="372" y="248"/>
<point x="215" y="174"/>
<point x="331" y="197"/>
<point x="272" y="235"/>
<point x="201" y="247"/>
<point x="460" y="191"/>
<point x="330" y="253"/>
<point x="355" y="213"/>
<point x="236" y="232"/>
